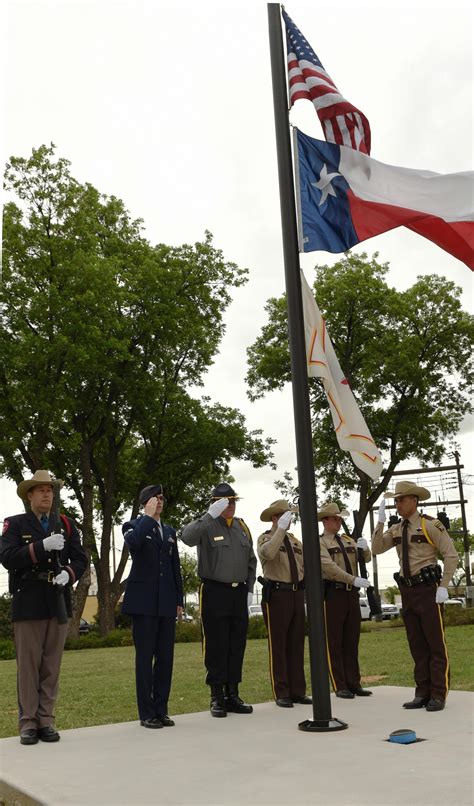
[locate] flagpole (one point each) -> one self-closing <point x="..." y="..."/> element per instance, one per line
<point x="322" y="718"/>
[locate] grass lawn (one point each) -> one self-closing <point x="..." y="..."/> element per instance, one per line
<point x="98" y="685"/>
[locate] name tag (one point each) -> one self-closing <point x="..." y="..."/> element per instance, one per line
<point x="219" y="537"/>
<point x="26" y="537"/>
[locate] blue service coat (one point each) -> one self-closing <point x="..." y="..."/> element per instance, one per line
<point x="155" y="586"/>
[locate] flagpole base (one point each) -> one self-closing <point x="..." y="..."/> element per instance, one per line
<point x="322" y="725"/>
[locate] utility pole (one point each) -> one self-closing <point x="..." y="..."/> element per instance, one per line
<point x="467" y="559"/>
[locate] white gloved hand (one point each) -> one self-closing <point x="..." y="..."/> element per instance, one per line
<point x="61" y="579"/>
<point x="381" y="515"/>
<point x="249" y="599"/>
<point x="53" y="543"/>
<point x="284" y="520"/>
<point x="362" y="543"/>
<point x="442" y="595"/>
<point x="217" y="507"/>
<point x="360" y="582"/>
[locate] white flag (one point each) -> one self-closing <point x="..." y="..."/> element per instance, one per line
<point x="351" y="429"/>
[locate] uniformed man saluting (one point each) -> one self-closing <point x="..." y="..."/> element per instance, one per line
<point x="227" y="567"/>
<point x="423" y="587"/>
<point x="342" y="610"/>
<point x="281" y="555"/>
<point x="26" y="550"/>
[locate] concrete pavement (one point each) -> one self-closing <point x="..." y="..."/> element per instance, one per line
<point x="257" y="759"/>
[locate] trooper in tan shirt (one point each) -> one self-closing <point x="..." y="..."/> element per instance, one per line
<point x="281" y="555"/>
<point x="418" y="540"/>
<point x="341" y="601"/>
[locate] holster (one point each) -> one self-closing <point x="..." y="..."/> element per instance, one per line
<point x="266" y="589"/>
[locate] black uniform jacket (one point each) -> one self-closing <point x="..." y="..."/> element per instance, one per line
<point x="23" y="555"/>
<point x="154" y="587"/>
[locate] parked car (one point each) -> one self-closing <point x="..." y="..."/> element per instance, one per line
<point x="84" y="627"/>
<point x="455" y="601"/>
<point x="364" y="608"/>
<point x="390" y="611"/>
<point x="255" y="610"/>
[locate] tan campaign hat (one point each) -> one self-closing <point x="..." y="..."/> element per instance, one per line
<point x="409" y="488"/>
<point x="40" y="477"/>
<point x="277" y="508"/>
<point x="332" y="509"/>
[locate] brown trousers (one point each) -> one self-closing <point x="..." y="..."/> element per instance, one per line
<point x="39" y="645"/>
<point x="342" y="613"/>
<point x="284" y="618"/>
<point x="425" y="632"/>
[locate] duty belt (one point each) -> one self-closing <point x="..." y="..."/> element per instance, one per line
<point x="429" y="574"/>
<point x="285" y="586"/>
<point x="41" y="576"/>
<point x="224" y="584"/>
<point x="340" y="586"/>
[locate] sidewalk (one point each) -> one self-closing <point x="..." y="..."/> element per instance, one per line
<point x="258" y="759"/>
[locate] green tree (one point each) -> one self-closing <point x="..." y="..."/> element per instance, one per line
<point x="191" y="580"/>
<point x="457" y="533"/>
<point x="406" y="354"/>
<point x="103" y="335"/>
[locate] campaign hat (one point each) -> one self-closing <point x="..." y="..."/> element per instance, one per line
<point x="39" y="477"/>
<point x="277" y="508"/>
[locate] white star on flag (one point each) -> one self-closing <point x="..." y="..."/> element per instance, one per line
<point x="324" y="184"/>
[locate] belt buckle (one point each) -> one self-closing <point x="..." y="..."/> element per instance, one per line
<point x="235" y="584"/>
<point x="294" y="587"/>
<point x="408" y="582"/>
<point x="51" y="576"/>
<point x="348" y="586"/>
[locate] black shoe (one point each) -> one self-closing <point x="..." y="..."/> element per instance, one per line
<point x="361" y="692"/>
<point x="29" y="736"/>
<point x="345" y="694"/>
<point x="416" y="702"/>
<point x="154" y="722"/>
<point x="304" y="700"/>
<point x="48" y="734"/>
<point x="235" y="705"/>
<point x="284" y="702"/>
<point x="435" y="705"/>
<point x="218" y="707"/>
<point x="166" y="721"/>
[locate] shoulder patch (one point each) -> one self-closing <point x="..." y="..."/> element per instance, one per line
<point x="439" y="525"/>
<point x="6" y="524"/>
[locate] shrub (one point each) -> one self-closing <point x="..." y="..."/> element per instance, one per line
<point x="257" y="628"/>
<point x="7" y="649"/>
<point x="188" y="632"/>
<point x="6" y="628"/>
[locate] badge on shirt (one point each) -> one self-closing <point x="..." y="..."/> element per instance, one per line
<point x="26" y="537"/>
<point x="219" y="537"/>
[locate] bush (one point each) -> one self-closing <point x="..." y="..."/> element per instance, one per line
<point x="454" y="616"/>
<point x="257" y="628"/>
<point x="6" y="627"/>
<point x="188" y="632"/>
<point x="7" y="649"/>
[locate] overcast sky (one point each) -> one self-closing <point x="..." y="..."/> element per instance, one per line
<point x="170" y="108"/>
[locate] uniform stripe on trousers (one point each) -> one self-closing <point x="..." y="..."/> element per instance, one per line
<point x="333" y="682"/>
<point x="270" y="651"/>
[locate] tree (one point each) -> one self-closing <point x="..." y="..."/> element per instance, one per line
<point x="103" y="335"/>
<point x="191" y="580"/>
<point x="457" y="533"/>
<point x="406" y="354"/>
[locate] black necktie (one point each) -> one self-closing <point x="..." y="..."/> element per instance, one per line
<point x="291" y="560"/>
<point x="405" y="558"/>
<point x="344" y="554"/>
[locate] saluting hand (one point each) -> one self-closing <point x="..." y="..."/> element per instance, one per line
<point x="217" y="507"/>
<point x="381" y="515"/>
<point x="284" y="520"/>
<point x="150" y="506"/>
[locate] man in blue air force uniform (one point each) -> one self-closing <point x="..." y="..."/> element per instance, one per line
<point x="153" y="597"/>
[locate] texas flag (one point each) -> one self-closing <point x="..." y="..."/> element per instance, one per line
<point x="345" y="197"/>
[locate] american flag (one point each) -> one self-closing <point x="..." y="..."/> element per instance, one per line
<point x="342" y="123"/>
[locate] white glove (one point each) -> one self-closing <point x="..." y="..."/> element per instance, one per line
<point x="249" y="599"/>
<point x="442" y="595"/>
<point x="381" y="515"/>
<point x="53" y="543"/>
<point x="61" y="579"/>
<point x="360" y="582"/>
<point x="284" y="520"/>
<point x="217" y="507"/>
<point x="362" y="543"/>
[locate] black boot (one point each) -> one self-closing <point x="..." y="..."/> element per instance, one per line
<point x="218" y="706"/>
<point x="233" y="702"/>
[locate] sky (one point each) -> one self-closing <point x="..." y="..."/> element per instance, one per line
<point x="170" y="109"/>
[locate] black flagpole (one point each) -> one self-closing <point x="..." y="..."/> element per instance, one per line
<point x="322" y="719"/>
